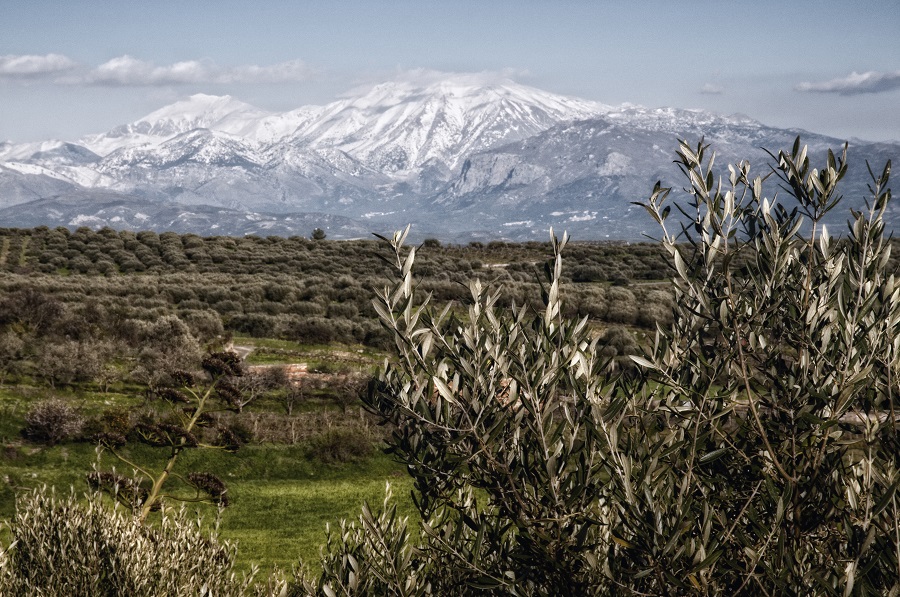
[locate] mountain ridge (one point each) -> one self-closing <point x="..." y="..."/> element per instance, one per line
<point x="457" y="157"/>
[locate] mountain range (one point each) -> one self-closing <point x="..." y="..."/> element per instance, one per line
<point x="459" y="159"/>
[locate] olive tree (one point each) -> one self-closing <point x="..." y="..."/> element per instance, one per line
<point x="63" y="545"/>
<point x="776" y="383"/>
<point x="753" y="451"/>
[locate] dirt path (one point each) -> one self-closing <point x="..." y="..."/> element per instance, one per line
<point x="242" y="351"/>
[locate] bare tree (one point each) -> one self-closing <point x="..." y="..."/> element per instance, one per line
<point x="11" y="348"/>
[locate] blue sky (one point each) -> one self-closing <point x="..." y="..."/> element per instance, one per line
<point x="77" y="67"/>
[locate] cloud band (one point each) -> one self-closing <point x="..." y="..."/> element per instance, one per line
<point x="30" y="66"/>
<point x="128" y="71"/>
<point x="855" y="84"/>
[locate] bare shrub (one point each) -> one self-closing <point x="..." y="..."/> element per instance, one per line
<point x="289" y="397"/>
<point x="52" y="421"/>
<point x="346" y="388"/>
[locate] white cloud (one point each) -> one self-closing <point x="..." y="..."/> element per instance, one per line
<point x="855" y="83"/>
<point x="424" y="77"/>
<point x="128" y="71"/>
<point x="712" y="89"/>
<point x="283" y="72"/>
<point x="31" y="66"/>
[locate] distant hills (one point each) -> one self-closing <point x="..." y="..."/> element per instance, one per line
<point x="459" y="159"/>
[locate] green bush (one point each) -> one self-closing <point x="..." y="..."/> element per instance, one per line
<point x="113" y="422"/>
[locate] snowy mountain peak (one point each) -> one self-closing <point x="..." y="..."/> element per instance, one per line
<point x="24" y="151"/>
<point x="468" y="91"/>
<point x="222" y="113"/>
<point x="394" y="127"/>
<point x="400" y="126"/>
<point x="198" y="146"/>
<point x="200" y="111"/>
<point x="451" y="153"/>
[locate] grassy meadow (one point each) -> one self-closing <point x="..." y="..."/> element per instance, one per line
<point x="281" y="496"/>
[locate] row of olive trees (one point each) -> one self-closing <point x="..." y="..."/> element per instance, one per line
<point x="310" y="309"/>
<point x="109" y="252"/>
<point x="295" y="288"/>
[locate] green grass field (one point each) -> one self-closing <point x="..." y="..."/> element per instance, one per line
<point x="279" y="522"/>
<point x="280" y="499"/>
<point x="272" y="351"/>
<point x="281" y="496"/>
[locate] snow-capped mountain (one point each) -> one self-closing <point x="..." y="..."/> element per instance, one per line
<point x="218" y="113"/>
<point x="582" y="176"/>
<point x="22" y="183"/>
<point x="399" y="127"/>
<point x="457" y="157"/>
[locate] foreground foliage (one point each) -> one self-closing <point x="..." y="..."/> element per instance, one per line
<point x="63" y="546"/>
<point x="755" y="452"/>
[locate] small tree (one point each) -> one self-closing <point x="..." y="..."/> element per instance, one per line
<point x="11" y="348"/>
<point x="257" y="383"/>
<point x="347" y="387"/>
<point x="490" y="414"/>
<point x="776" y="382"/>
<point x="191" y="405"/>
<point x="291" y="397"/>
<point x="69" y="361"/>
<point x="167" y="347"/>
